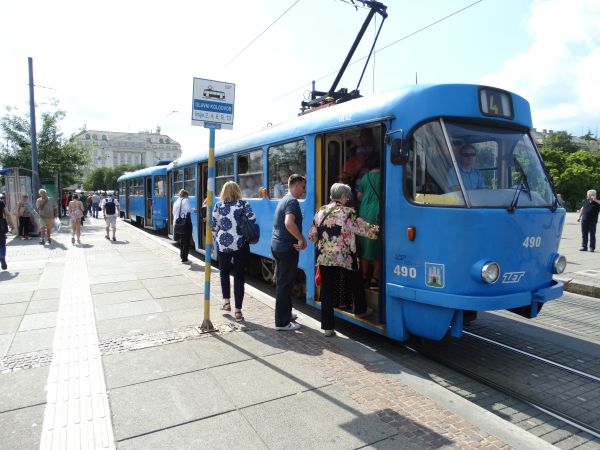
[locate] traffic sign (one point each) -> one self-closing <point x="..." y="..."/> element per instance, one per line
<point x="213" y="103"/>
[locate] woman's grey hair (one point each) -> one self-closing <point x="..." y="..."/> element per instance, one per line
<point x="591" y="192"/>
<point x="340" y="191"/>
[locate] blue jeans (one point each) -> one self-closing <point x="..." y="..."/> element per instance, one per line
<point x="236" y="261"/>
<point x="287" y="263"/>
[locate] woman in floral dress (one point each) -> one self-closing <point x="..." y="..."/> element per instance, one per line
<point x="334" y="230"/>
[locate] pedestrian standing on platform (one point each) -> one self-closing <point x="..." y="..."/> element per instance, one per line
<point x="588" y="216"/>
<point x="75" y="211"/>
<point x="47" y="210"/>
<point x="334" y="230"/>
<point x="232" y="248"/>
<point x="88" y="207"/>
<point x="110" y="210"/>
<point x="3" y="231"/>
<point x="182" y="208"/>
<point x="24" y="211"/>
<point x="64" y="202"/>
<point x="95" y="204"/>
<point x="286" y="243"/>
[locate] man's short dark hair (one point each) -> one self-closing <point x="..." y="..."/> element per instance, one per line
<point x="296" y="178"/>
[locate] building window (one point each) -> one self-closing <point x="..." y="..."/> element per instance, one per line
<point x="104" y="137"/>
<point x="87" y="136"/>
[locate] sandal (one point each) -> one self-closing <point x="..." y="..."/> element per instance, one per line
<point x="239" y="316"/>
<point x="226" y="306"/>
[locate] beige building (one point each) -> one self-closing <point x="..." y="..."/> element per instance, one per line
<point x="111" y="148"/>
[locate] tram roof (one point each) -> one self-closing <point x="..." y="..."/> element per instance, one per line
<point x="147" y="171"/>
<point x="420" y="102"/>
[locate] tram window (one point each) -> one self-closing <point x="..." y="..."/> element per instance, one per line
<point x="159" y="185"/>
<point x="223" y="173"/>
<point x="250" y="173"/>
<point x="189" y="180"/>
<point x="177" y="180"/>
<point x="285" y="160"/>
<point x="429" y="169"/>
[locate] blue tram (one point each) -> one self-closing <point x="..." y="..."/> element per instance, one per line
<point x="456" y="236"/>
<point x="143" y="197"/>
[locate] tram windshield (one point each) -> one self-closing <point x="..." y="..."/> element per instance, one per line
<point x="459" y="164"/>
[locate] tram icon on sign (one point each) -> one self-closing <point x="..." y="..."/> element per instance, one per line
<point x="209" y="92"/>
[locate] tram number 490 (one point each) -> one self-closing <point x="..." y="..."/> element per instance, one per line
<point x="405" y="271"/>
<point x="532" y="241"/>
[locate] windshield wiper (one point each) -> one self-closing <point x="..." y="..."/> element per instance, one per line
<point x="523" y="185"/>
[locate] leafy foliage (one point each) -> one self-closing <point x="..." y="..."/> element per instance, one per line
<point x="57" y="155"/>
<point x="105" y="178"/>
<point x="573" y="171"/>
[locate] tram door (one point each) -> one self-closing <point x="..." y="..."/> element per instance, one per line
<point x="344" y="160"/>
<point x="148" y="202"/>
<point x="169" y="203"/>
<point x="127" y="207"/>
<point x="202" y="192"/>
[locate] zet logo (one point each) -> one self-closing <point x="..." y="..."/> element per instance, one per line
<point x="512" y="277"/>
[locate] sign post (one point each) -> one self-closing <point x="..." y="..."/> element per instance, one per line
<point x="212" y="108"/>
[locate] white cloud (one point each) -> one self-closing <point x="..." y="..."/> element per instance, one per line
<point x="559" y="73"/>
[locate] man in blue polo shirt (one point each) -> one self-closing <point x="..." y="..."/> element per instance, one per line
<point x="286" y="243"/>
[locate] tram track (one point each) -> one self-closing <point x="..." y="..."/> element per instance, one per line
<point x="553" y="405"/>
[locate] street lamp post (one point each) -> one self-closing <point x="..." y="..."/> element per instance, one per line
<point x="158" y="123"/>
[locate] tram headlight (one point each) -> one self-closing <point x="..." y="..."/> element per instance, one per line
<point x="490" y="272"/>
<point x="559" y="264"/>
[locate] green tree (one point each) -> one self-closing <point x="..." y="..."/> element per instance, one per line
<point x="579" y="172"/>
<point x="105" y="178"/>
<point x="560" y="141"/>
<point x="57" y="155"/>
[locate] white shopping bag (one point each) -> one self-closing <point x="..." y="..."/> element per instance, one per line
<point x="57" y="225"/>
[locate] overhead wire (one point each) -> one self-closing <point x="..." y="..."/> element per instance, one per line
<point x="376" y="51"/>
<point x="260" y="34"/>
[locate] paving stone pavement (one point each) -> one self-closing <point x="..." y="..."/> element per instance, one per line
<point x="100" y="348"/>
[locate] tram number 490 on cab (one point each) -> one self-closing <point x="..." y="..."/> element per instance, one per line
<point x="405" y="271"/>
<point x="532" y="241"/>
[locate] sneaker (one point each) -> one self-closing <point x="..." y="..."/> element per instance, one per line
<point x="49" y="241"/>
<point x="72" y="240"/>
<point x="367" y="313"/>
<point x="583" y="249"/>
<point x="592" y="250"/>
<point x="107" y="237"/>
<point x="42" y="242"/>
<point x="293" y="317"/>
<point x="114" y="239"/>
<point x="289" y="327"/>
<point x="329" y="333"/>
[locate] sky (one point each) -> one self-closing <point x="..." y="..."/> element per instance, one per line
<point x="128" y="65"/>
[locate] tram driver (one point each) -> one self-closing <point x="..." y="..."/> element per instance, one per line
<point x="471" y="177"/>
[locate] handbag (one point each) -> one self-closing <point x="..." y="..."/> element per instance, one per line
<point x="180" y="222"/>
<point x="250" y="230"/>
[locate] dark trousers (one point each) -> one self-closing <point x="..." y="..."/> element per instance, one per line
<point x="287" y="262"/>
<point x="184" y="243"/>
<point x="24" y="224"/>
<point x="95" y="209"/>
<point x="2" y="245"/>
<point x="588" y="228"/>
<point x="339" y="288"/>
<point x="236" y="261"/>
